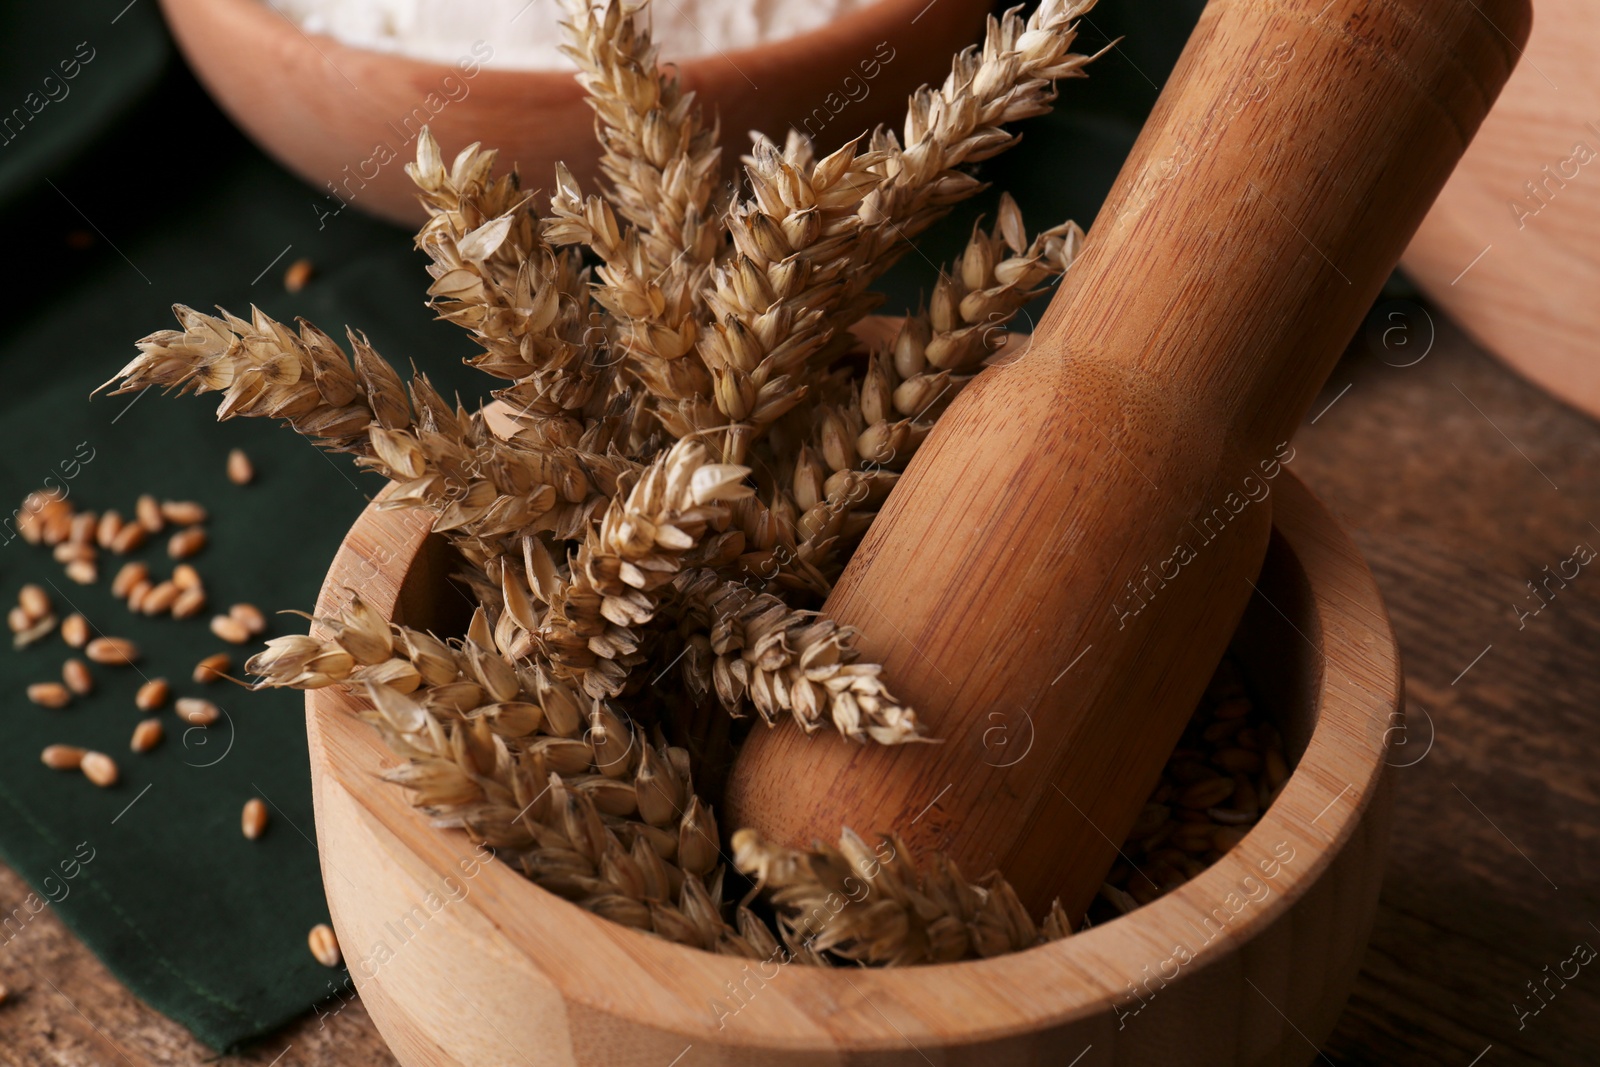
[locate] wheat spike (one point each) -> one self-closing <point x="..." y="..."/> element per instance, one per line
<point x="698" y="447"/>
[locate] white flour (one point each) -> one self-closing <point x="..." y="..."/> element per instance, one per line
<point x="527" y="35"/>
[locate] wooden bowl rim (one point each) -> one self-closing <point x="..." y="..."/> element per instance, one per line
<point x="1079" y="976"/>
<point x="263" y="19"/>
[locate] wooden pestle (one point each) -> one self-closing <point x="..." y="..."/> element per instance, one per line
<point x="1063" y="562"/>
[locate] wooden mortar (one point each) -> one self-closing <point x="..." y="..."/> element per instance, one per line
<point x="462" y="962"/>
<point x="1067" y="555"/>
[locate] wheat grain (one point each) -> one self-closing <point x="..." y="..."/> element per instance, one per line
<point x="109" y="526"/>
<point x="196" y="712"/>
<point x="131" y="574"/>
<point x="148" y="513"/>
<point x="147" y="735"/>
<point x="297" y="275"/>
<point x="99" y="768"/>
<point x="230" y="629"/>
<point x="73" y="552"/>
<point x="112" y="651"/>
<point x="75" y="673"/>
<point x="129" y="538"/>
<point x="62" y="757"/>
<point x="213" y="667"/>
<point x="82" y="531"/>
<point x="240" y="470"/>
<point x="186" y="542"/>
<point x="160" y="597"/>
<point x="324" y="946"/>
<point x="1172" y="842"/>
<point x="136" y="595"/>
<point x="190" y="602"/>
<point x="49" y="694"/>
<point x="182" y="512"/>
<point x="34" y="601"/>
<point x="253" y="819"/>
<point x="151" y="695"/>
<point x="75" y="630"/>
<point x="249" y="616"/>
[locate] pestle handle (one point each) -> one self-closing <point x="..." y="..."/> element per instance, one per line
<point x="1063" y="562"/>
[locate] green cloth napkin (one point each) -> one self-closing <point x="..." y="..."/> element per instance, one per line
<point x="131" y="192"/>
<point x="173" y="205"/>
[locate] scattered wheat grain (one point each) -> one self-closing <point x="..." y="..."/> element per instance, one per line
<point x="250" y="617"/>
<point x="297" y="275"/>
<point x="187" y="542"/>
<point x="83" y="528"/>
<point x="196" y="712"/>
<point x="99" y="768"/>
<point x="72" y="551"/>
<point x="49" y="694"/>
<point x="62" y="757"/>
<point x="152" y="694"/>
<point x="131" y="574"/>
<point x="35" y="601"/>
<point x="230" y="629"/>
<point x="147" y="735"/>
<point x="160" y="598"/>
<point x="148" y="511"/>
<point x="112" y="651"/>
<point x="129" y="538"/>
<point x="253" y="820"/>
<point x="182" y="512"/>
<point x="105" y="534"/>
<point x="75" y="673"/>
<point x="213" y="667"/>
<point x="57" y="525"/>
<point x="136" y="595"/>
<point x="324" y="946"/>
<point x="190" y="603"/>
<point x="75" y="630"/>
<point x="240" y="470"/>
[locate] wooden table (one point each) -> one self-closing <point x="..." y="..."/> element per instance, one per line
<point x="1461" y="483"/>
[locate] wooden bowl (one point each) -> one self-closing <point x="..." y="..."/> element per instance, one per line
<point x="464" y="962"/>
<point x="1509" y="248"/>
<point x="345" y="119"/>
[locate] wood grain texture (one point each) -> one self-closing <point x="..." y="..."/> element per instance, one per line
<point x="1452" y="520"/>
<point x="322" y="108"/>
<point x="1441" y="471"/>
<point x="464" y="962"/>
<point x="1089" y="505"/>
<point x="1509" y="248"/>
